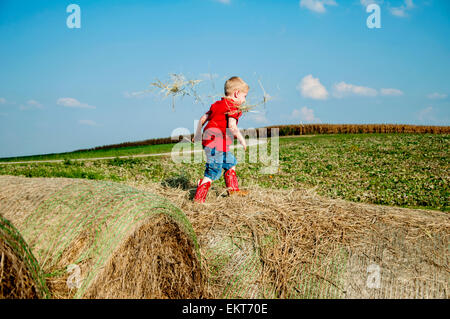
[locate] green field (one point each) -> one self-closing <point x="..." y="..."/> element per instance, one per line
<point x="408" y="170"/>
<point x="123" y="151"/>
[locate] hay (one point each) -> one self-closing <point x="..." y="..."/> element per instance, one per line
<point x="296" y="244"/>
<point x="271" y="244"/>
<point x="20" y="275"/>
<point x="104" y="240"/>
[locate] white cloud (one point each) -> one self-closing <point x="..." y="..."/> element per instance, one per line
<point x="311" y="87"/>
<point x="317" y="5"/>
<point x="402" y="11"/>
<point x="258" y="117"/>
<point x="71" y="102"/>
<point x="137" y="94"/>
<point x="34" y="103"/>
<point x="391" y="92"/>
<point x="365" y="3"/>
<point x="426" y="114"/>
<point x="437" y="96"/>
<point x="2" y="100"/>
<point x="430" y="115"/>
<point x="398" y="12"/>
<point x="343" y="89"/>
<point x="87" y="122"/>
<point x="224" y="1"/>
<point x="31" y="104"/>
<point x="305" y="114"/>
<point x="409" y="4"/>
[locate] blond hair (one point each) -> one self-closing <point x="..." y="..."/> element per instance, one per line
<point x="235" y="83"/>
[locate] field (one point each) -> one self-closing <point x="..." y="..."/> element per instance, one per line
<point x="126" y="150"/>
<point x="300" y="233"/>
<point x="407" y="170"/>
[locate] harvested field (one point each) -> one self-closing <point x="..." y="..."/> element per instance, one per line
<point x="296" y="244"/>
<point x="20" y="274"/>
<point x="104" y="240"/>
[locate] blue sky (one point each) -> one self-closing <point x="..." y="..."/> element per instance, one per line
<point x="63" y="89"/>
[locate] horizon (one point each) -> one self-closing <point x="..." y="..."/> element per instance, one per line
<point x="117" y="145"/>
<point x="65" y="89"/>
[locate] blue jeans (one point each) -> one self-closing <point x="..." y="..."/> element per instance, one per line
<point x="216" y="161"/>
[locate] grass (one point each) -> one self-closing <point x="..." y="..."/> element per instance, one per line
<point x="401" y="170"/>
<point x="408" y="170"/>
<point x="123" y="151"/>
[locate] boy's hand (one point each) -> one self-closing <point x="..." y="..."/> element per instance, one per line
<point x="245" y="146"/>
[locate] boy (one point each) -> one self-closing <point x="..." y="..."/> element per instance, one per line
<point x="218" y="134"/>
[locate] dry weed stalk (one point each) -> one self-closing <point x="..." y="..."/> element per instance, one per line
<point x="244" y="108"/>
<point x="177" y="86"/>
<point x="180" y="86"/>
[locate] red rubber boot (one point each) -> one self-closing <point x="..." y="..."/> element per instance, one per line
<point x="202" y="191"/>
<point x="232" y="183"/>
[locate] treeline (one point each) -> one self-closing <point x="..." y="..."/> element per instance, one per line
<point x="304" y="129"/>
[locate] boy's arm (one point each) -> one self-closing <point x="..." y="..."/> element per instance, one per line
<point x="232" y="123"/>
<point x="198" y="132"/>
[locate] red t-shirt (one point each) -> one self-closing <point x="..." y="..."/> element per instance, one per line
<point x="215" y="132"/>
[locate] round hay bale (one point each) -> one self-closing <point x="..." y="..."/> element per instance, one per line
<point x="296" y="244"/>
<point x="98" y="239"/>
<point x="20" y="275"/>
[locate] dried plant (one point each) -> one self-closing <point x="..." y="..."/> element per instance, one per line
<point x="245" y="107"/>
<point x="177" y="86"/>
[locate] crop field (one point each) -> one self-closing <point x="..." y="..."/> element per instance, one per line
<point x="407" y="170"/>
